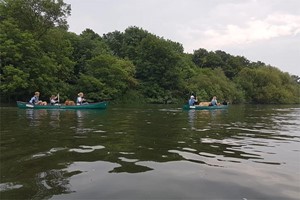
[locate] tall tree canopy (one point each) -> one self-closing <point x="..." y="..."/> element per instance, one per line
<point x="39" y="54"/>
<point x="36" y="16"/>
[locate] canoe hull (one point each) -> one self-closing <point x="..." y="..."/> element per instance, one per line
<point x="98" y="105"/>
<point x="197" y="107"/>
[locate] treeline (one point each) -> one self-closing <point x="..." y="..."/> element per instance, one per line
<point x="39" y="54"/>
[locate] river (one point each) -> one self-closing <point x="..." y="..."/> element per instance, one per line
<point x="151" y="152"/>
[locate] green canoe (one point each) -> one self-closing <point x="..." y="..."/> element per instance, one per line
<point x="197" y="107"/>
<point x="98" y="105"/>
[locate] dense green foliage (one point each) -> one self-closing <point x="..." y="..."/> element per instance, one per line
<point x="39" y="54"/>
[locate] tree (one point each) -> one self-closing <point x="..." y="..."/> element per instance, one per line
<point x="133" y="36"/>
<point x="267" y="84"/>
<point x="213" y="82"/>
<point x="158" y="64"/>
<point x="86" y="46"/>
<point x="13" y="81"/>
<point x="115" y="41"/>
<point x="38" y="54"/>
<point x="107" y="77"/>
<point x="36" y="16"/>
<point x="35" y="45"/>
<point x="199" y="57"/>
<point x="19" y="51"/>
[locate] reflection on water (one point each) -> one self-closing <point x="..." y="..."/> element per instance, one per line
<point x="35" y="116"/>
<point x="151" y="152"/>
<point x="57" y="118"/>
<point x="199" y="118"/>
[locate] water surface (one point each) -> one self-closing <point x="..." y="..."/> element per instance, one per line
<point x="151" y="152"/>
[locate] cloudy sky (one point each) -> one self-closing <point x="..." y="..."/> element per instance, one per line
<point x="260" y="30"/>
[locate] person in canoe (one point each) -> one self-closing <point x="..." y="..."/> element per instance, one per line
<point x="192" y="100"/>
<point x="53" y="99"/>
<point x="214" y="101"/>
<point x="35" y="99"/>
<point x="80" y="100"/>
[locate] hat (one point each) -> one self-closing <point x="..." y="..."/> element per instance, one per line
<point x="192" y="97"/>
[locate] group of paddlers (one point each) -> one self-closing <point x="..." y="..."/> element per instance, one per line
<point x="54" y="100"/>
<point x="194" y="101"/>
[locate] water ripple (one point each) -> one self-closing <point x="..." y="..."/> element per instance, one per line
<point x="86" y="149"/>
<point x="9" y="186"/>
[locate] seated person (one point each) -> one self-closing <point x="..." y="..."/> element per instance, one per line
<point x="53" y="100"/>
<point x="80" y="100"/>
<point x="35" y="100"/>
<point x="214" y="101"/>
<point x="192" y="101"/>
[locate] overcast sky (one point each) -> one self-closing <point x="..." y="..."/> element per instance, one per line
<point x="260" y="30"/>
